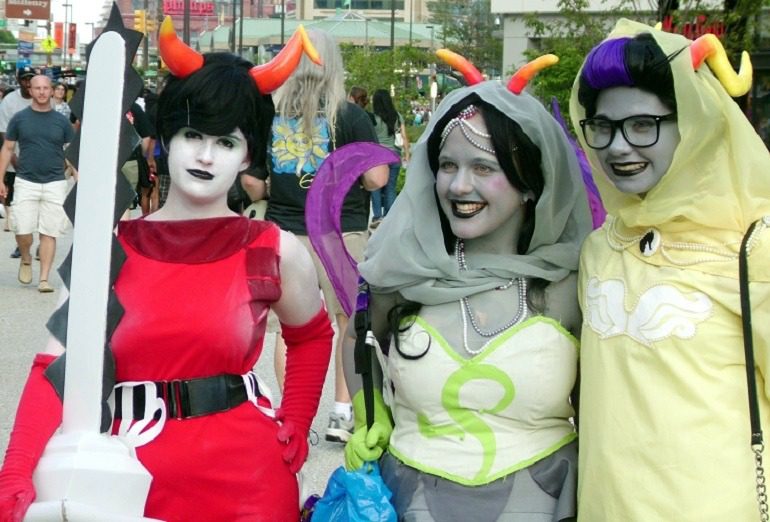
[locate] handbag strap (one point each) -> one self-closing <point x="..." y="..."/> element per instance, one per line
<point x="363" y="349"/>
<point x="757" y="442"/>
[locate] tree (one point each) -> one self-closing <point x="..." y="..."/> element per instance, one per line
<point x="7" y="37"/>
<point x="570" y="38"/>
<point x="740" y="17"/>
<point x="468" y="28"/>
<point x="381" y="69"/>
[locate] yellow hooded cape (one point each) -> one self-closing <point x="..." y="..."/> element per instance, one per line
<point x="664" y="424"/>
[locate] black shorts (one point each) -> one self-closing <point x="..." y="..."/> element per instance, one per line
<point x="144" y="172"/>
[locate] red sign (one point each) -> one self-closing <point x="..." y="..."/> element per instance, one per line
<point x="58" y="34"/>
<point x="176" y="7"/>
<point x="72" y="39"/>
<point x="694" y="30"/>
<point x="28" y="9"/>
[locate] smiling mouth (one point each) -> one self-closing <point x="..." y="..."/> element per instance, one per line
<point x="626" y="170"/>
<point x="467" y="209"/>
<point x="200" y="174"/>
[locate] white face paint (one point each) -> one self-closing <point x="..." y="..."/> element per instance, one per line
<point x="475" y="194"/>
<point x="636" y="170"/>
<point x="203" y="167"/>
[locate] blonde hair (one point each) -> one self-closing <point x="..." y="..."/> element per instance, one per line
<point x="312" y="89"/>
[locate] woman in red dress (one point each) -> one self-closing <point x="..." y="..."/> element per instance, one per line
<point x="196" y="286"/>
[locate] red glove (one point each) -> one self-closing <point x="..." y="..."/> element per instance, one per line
<point x="38" y="416"/>
<point x="308" y="349"/>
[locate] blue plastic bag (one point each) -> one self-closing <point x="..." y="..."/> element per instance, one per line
<point x="355" y="496"/>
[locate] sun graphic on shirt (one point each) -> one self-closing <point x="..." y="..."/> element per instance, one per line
<point x="294" y="151"/>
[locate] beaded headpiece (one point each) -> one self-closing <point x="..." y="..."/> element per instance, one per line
<point x="467" y="128"/>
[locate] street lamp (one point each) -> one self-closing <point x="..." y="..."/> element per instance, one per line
<point x="67" y="43"/>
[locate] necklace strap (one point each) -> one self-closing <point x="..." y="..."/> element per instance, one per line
<point x="467" y="313"/>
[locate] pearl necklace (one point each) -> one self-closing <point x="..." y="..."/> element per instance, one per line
<point x="715" y="253"/>
<point x="467" y="313"/>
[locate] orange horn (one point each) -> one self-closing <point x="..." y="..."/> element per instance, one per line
<point x="526" y="72"/>
<point x="271" y="75"/>
<point x="181" y="60"/>
<point x="708" y="48"/>
<point x="467" y="69"/>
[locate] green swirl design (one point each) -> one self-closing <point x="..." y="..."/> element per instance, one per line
<point x="468" y="422"/>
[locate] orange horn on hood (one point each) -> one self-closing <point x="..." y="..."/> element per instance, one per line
<point x="528" y="71"/>
<point x="271" y="75"/>
<point x="181" y="60"/>
<point x="708" y="48"/>
<point x="456" y="61"/>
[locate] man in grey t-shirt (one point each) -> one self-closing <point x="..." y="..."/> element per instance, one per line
<point x="41" y="133"/>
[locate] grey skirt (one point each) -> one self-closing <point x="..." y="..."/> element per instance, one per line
<point x="543" y="492"/>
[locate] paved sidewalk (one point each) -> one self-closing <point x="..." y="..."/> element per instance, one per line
<point x="23" y="314"/>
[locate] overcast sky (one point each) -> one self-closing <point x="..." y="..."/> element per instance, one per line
<point x="82" y="11"/>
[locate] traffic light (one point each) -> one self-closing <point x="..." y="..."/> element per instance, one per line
<point x="152" y="26"/>
<point x="140" y="20"/>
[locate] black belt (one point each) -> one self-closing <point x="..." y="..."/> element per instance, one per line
<point x="189" y="398"/>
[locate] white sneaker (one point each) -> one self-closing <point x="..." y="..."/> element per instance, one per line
<point x="339" y="429"/>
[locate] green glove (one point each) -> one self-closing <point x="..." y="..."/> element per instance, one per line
<point x="367" y="445"/>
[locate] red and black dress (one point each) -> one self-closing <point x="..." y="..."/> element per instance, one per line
<point x="196" y="296"/>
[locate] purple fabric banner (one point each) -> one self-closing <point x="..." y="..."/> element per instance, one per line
<point x="339" y="171"/>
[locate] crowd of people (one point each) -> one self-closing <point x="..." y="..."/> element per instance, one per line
<point x="507" y="331"/>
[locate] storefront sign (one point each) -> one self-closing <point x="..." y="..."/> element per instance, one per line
<point x="695" y="29"/>
<point x="176" y="7"/>
<point x="28" y="9"/>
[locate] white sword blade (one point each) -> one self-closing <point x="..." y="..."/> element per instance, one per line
<point x="92" y="236"/>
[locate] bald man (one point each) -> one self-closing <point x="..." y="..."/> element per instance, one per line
<point x="40" y="187"/>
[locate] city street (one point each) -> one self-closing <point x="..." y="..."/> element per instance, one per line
<point x="23" y="314"/>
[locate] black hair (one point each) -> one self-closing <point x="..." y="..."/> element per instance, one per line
<point x="382" y="105"/>
<point x="644" y="63"/>
<point x="218" y="98"/>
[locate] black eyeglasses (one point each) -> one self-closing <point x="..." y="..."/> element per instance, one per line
<point x="640" y="130"/>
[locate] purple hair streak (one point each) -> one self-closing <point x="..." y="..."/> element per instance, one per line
<point x="605" y="65"/>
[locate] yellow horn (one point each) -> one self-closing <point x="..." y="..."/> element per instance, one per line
<point x="708" y="48"/>
<point x="528" y="71"/>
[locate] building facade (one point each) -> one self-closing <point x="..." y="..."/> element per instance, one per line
<point x="415" y="11"/>
<point x="518" y="37"/>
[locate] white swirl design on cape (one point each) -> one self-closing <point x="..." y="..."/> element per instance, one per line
<point x="662" y="311"/>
